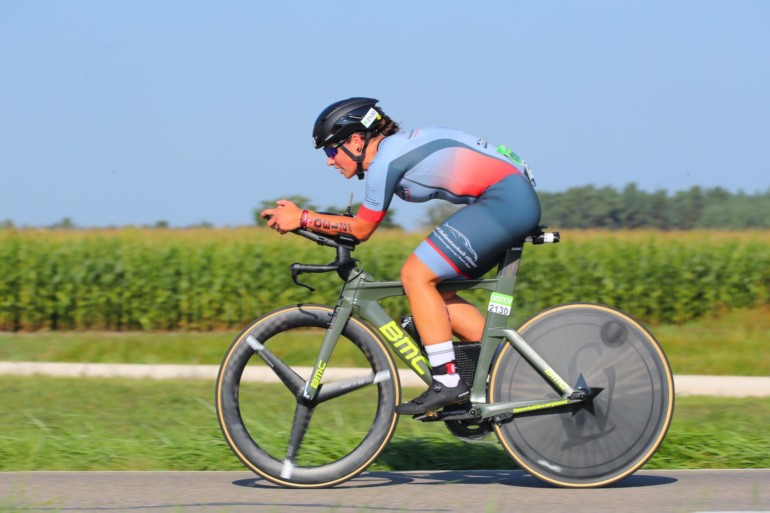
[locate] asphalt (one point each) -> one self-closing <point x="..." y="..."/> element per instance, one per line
<point x="684" y="385"/>
<point x="442" y="491"/>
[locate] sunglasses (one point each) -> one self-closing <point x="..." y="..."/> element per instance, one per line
<point x="331" y="151"/>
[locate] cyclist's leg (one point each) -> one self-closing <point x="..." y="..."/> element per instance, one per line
<point x="430" y="313"/>
<point x="440" y="314"/>
<point x="466" y="245"/>
<point x="470" y="242"/>
<point x="466" y="320"/>
<point x="427" y="305"/>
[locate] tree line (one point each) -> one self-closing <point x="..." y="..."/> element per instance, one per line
<point x="632" y="208"/>
<point x="587" y="207"/>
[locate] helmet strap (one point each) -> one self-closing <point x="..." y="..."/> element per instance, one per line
<point x="359" y="160"/>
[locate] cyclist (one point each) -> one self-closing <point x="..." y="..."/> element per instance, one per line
<point x="427" y="163"/>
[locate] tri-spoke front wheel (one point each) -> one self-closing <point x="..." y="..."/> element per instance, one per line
<point x="287" y="439"/>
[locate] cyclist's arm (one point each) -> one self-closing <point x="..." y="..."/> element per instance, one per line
<point x="332" y="224"/>
<point x="286" y="217"/>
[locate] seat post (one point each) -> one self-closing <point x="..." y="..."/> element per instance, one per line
<point x="509" y="265"/>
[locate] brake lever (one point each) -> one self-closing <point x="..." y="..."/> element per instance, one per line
<point x="297" y="269"/>
<point x="294" y="277"/>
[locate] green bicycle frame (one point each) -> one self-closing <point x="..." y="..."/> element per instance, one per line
<point x="361" y="294"/>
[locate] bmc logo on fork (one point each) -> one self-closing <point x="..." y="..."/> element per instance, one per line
<point x="405" y="346"/>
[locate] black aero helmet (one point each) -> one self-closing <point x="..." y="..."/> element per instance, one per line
<point x="344" y="118"/>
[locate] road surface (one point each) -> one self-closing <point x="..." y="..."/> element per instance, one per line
<point x="677" y="491"/>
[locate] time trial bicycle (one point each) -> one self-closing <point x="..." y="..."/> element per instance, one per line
<point x="581" y="395"/>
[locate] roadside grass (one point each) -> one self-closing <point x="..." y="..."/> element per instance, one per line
<point x="734" y="343"/>
<point x="117" y="424"/>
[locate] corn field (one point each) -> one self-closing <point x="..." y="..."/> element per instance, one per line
<point x="205" y="279"/>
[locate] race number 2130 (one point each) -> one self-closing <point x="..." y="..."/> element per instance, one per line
<point x="500" y="304"/>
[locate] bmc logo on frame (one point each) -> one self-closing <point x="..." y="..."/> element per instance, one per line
<point x="405" y="346"/>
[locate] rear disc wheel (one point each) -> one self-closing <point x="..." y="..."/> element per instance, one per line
<point x="604" y="439"/>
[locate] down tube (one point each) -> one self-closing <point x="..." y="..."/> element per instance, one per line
<point x="401" y="343"/>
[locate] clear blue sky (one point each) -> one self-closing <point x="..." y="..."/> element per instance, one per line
<point x="131" y="112"/>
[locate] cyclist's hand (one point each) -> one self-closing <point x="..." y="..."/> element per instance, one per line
<point x="284" y="218"/>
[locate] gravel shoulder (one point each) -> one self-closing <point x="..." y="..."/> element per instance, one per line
<point x="718" y="386"/>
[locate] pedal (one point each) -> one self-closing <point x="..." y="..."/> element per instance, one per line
<point x="428" y="416"/>
<point x="457" y="413"/>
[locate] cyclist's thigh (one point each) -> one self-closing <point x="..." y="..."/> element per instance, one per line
<point x="471" y="240"/>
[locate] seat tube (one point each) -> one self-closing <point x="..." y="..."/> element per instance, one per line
<point x="499" y="310"/>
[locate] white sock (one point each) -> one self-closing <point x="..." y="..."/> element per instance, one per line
<point x="439" y="354"/>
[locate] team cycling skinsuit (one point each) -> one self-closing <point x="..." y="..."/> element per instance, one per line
<point x="427" y="163"/>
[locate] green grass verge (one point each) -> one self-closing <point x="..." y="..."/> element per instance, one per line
<point x="89" y="424"/>
<point x="734" y="343"/>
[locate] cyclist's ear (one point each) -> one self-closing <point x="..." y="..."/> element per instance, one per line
<point x="357" y="140"/>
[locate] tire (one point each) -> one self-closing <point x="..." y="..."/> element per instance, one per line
<point x="338" y="435"/>
<point x="607" y="438"/>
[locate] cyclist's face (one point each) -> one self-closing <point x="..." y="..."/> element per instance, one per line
<point x="341" y="161"/>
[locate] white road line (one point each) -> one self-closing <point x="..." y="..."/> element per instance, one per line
<point x="721" y="386"/>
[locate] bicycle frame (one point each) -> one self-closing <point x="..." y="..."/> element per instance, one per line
<point x="567" y="438"/>
<point x="361" y="294"/>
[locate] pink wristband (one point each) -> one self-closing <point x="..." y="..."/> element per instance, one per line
<point x="303" y="219"/>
